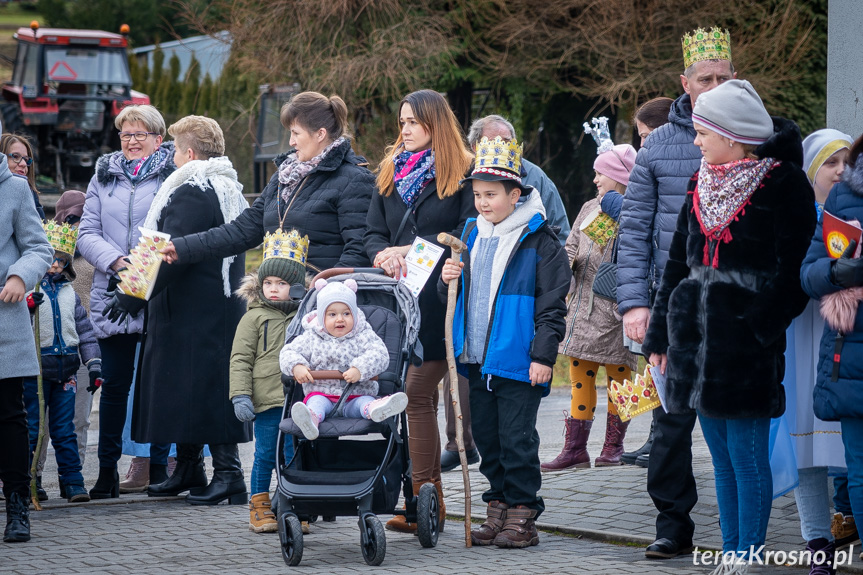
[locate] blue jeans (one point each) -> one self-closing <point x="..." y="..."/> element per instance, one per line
<point x="266" y="441"/>
<point x="852" y="437"/>
<point x="841" y="499"/>
<point x="744" y="485"/>
<point x="813" y="503"/>
<point x="60" y="409"/>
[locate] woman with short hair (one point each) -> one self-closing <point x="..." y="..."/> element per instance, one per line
<point x="192" y="315"/>
<point x="117" y="201"/>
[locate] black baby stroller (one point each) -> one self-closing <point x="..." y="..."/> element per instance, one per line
<point x="355" y="467"/>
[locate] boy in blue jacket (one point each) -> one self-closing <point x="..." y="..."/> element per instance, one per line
<point x="513" y="289"/>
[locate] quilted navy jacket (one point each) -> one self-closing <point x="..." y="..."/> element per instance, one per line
<point x="657" y="188"/>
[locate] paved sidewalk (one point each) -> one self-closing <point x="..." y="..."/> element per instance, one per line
<point x="597" y="521"/>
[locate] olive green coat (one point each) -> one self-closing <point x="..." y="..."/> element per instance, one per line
<point x="259" y="338"/>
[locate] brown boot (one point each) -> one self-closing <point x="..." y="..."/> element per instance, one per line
<point x="399" y="523"/>
<point x="441" y="506"/>
<point x="844" y="529"/>
<point x="138" y="477"/>
<point x="495" y="516"/>
<point x="519" y="528"/>
<point x="574" y="453"/>
<point x="612" y="449"/>
<point x="261" y="516"/>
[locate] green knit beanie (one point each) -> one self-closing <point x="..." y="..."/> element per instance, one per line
<point x="291" y="271"/>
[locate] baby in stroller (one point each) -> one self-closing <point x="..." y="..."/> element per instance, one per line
<point x="336" y="336"/>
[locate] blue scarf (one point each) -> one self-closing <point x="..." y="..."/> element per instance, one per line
<point x="137" y="170"/>
<point x="413" y="171"/>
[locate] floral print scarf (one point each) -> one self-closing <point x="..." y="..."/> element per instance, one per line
<point x="721" y="196"/>
<point x="292" y="171"/>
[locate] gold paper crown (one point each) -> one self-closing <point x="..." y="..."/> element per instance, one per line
<point x="634" y="398"/>
<point x="62" y="237"/>
<point x="713" y="44"/>
<point x="289" y="246"/>
<point x="499" y="157"/>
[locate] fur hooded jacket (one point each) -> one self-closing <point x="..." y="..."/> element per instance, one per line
<point x="255" y="353"/>
<point x="723" y="326"/>
<point x="839" y="386"/>
<point x="318" y="350"/>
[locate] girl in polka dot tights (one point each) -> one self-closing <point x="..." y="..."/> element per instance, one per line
<point x="594" y="332"/>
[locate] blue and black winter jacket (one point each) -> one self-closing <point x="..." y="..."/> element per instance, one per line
<point x="528" y="310"/>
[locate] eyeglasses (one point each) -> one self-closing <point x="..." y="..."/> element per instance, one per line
<point x="17" y="158"/>
<point x="138" y="136"/>
<point x="62" y="261"/>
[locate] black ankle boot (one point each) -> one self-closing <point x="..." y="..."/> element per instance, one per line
<point x="41" y="494"/>
<point x="189" y="473"/>
<point x="158" y="473"/>
<point x="107" y="485"/>
<point x="227" y="483"/>
<point x="630" y="456"/>
<point x="17" y="519"/>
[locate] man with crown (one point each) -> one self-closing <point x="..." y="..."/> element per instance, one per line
<point x="65" y="335"/>
<point x="657" y="189"/>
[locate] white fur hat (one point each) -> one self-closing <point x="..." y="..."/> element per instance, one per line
<point x="333" y="292"/>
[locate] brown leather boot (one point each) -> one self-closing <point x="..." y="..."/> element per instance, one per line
<point x="574" y="453"/>
<point x="612" y="449"/>
<point x="261" y="516"/>
<point x="441" y="506"/>
<point x="495" y="516"/>
<point x="519" y="528"/>
<point x="399" y="523"/>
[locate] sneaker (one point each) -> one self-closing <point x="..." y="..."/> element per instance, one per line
<point x="383" y="407"/>
<point x="75" y="493"/>
<point x="306" y="419"/>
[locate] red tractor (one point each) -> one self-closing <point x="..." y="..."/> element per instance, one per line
<point x="67" y="87"/>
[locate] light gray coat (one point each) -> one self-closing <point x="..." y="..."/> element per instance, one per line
<point x="26" y="253"/>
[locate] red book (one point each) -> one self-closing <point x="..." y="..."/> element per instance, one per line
<point x="838" y="233"/>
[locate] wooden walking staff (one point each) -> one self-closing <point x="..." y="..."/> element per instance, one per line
<point x="457" y="247"/>
<point x="34" y="498"/>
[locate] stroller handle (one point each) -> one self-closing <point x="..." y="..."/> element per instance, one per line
<point x="331" y="374"/>
<point x="326" y="274"/>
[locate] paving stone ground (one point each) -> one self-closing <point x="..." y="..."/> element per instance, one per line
<point x="596" y="521"/>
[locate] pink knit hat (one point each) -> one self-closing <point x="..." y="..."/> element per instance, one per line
<point x="617" y="163"/>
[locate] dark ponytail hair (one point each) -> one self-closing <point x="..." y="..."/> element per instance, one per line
<point x="654" y="113"/>
<point x="314" y="111"/>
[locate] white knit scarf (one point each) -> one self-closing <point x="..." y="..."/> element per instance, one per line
<point x="215" y="173"/>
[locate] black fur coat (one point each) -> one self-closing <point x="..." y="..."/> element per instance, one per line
<point x="724" y="328"/>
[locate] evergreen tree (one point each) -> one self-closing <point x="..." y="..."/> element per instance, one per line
<point x="156" y="75"/>
<point x="206" y="101"/>
<point x="190" y="92"/>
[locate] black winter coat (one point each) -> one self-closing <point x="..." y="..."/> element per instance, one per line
<point x="330" y="205"/>
<point x="724" y="328"/>
<point x="429" y="216"/>
<point x="182" y="391"/>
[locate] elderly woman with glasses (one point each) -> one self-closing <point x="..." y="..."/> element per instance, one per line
<point x="19" y="155"/>
<point x="118" y="199"/>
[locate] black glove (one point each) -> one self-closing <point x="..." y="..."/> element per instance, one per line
<point x="847" y="271"/>
<point x="123" y="306"/>
<point x="113" y="282"/>
<point x="34" y="300"/>
<point x="95" y="380"/>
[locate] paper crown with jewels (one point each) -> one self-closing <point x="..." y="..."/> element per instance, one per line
<point x="498" y="158"/>
<point x="62" y="237"/>
<point x="634" y="397"/>
<point x="289" y="246"/>
<point x="713" y="44"/>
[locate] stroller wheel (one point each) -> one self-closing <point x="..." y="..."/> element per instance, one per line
<point x="291" y="539"/>
<point x="427" y="515"/>
<point x="375" y="545"/>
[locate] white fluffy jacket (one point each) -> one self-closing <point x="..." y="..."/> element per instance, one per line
<point x="318" y="350"/>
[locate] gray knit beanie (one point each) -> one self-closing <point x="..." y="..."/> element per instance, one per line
<point x="734" y="110"/>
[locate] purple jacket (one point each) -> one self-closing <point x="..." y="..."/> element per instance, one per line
<point x="113" y="210"/>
